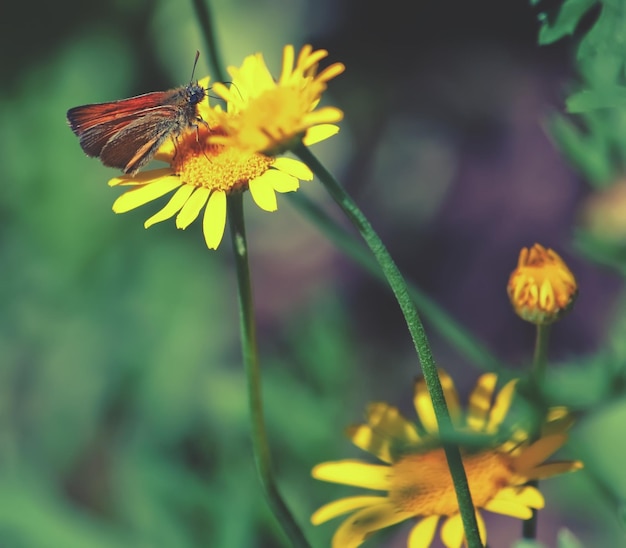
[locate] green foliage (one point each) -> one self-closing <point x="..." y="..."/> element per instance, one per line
<point x="564" y="24"/>
<point x="566" y="539"/>
<point x="591" y="136"/>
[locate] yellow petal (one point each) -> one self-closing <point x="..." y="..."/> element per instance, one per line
<point x="214" y="220"/>
<point x="343" y="506"/>
<point x="308" y="58"/>
<point x="166" y="151"/>
<point x="528" y="496"/>
<point x="177" y="201"/>
<point x="452" y="533"/>
<point x="296" y="168"/>
<point x="423" y="533"/>
<point x="354" y="472"/>
<point x="319" y="133"/>
<point x="558" y="420"/>
<point x="387" y="420"/>
<point x="263" y="193"/>
<point x="387" y="431"/>
<point x="424" y="405"/>
<point x="509" y="508"/>
<point x="516" y="502"/>
<point x="142" y="178"/>
<point x="352" y="532"/>
<point x="331" y="71"/>
<point x="324" y="115"/>
<point x="287" y="68"/>
<point x="480" y="401"/>
<point x="363" y="437"/>
<point x="451" y="395"/>
<point x="538" y="452"/>
<point x="262" y="78"/>
<point x="222" y="91"/>
<point x="144" y="194"/>
<point x="552" y="469"/>
<point x="501" y="405"/>
<point x="190" y="211"/>
<point x="282" y="182"/>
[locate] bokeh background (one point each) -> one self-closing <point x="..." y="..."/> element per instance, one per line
<point x="123" y="413"/>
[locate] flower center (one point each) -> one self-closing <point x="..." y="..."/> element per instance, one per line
<point x="214" y="166"/>
<point x="422" y="485"/>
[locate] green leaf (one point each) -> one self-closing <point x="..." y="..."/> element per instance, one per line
<point x="566" y="539"/>
<point x="586" y="151"/>
<point x="592" y="99"/>
<point x="566" y="21"/>
<point x="526" y="543"/>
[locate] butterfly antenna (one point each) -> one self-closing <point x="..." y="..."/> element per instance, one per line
<point x="195" y="62"/>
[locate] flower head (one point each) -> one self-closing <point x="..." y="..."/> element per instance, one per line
<point x="542" y="288"/>
<point x="271" y="116"/>
<point x="416" y="477"/>
<point x="201" y="174"/>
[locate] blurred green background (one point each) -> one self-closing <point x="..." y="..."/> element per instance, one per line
<point x="123" y="414"/>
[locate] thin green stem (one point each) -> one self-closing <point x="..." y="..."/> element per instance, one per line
<point x="416" y="329"/>
<point x="260" y="445"/>
<point x="540" y="356"/>
<point x="537" y="373"/>
<point x="453" y="332"/>
<point x="203" y="11"/>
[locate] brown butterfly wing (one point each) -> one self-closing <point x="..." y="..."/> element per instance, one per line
<point x="94" y="138"/>
<point x="88" y="116"/>
<point x="131" y="147"/>
<point x="97" y="124"/>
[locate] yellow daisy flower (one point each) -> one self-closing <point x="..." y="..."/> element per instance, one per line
<point x="202" y="174"/>
<point x="415" y="473"/>
<point x="271" y="116"/>
<point x="542" y="288"/>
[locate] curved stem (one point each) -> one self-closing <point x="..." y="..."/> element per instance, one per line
<point x="416" y="329"/>
<point x="537" y="373"/>
<point x="453" y="332"/>
<point x="260" y="445"/>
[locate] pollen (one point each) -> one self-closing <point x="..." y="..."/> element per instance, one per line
<point x="421" y="483"/>
<point x="216" y="167"/>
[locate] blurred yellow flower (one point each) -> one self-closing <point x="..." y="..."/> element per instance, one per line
<point x="602" y="213"/>
<point x="542" y="288"/>
<point x="202" y="174"/>
<point x="271" y="116"/>
<point x="415" y="473"/>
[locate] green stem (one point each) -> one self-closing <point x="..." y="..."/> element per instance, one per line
<point x="537" y="373"/>
<point x="416" y="329"/>
<point x="203" y="11"/>
<point x="260" y="445"/>
<point x="453" y="332"/>
<point x="540" y="356"/>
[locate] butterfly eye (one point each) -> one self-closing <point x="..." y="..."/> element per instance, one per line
<point x="196" y="95"/>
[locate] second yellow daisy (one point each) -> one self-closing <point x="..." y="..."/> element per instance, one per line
<point x="415" y="475"/>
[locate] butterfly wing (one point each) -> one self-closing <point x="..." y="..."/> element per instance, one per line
<point x="132" y="146"/>
<point x="96" y="124"/>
